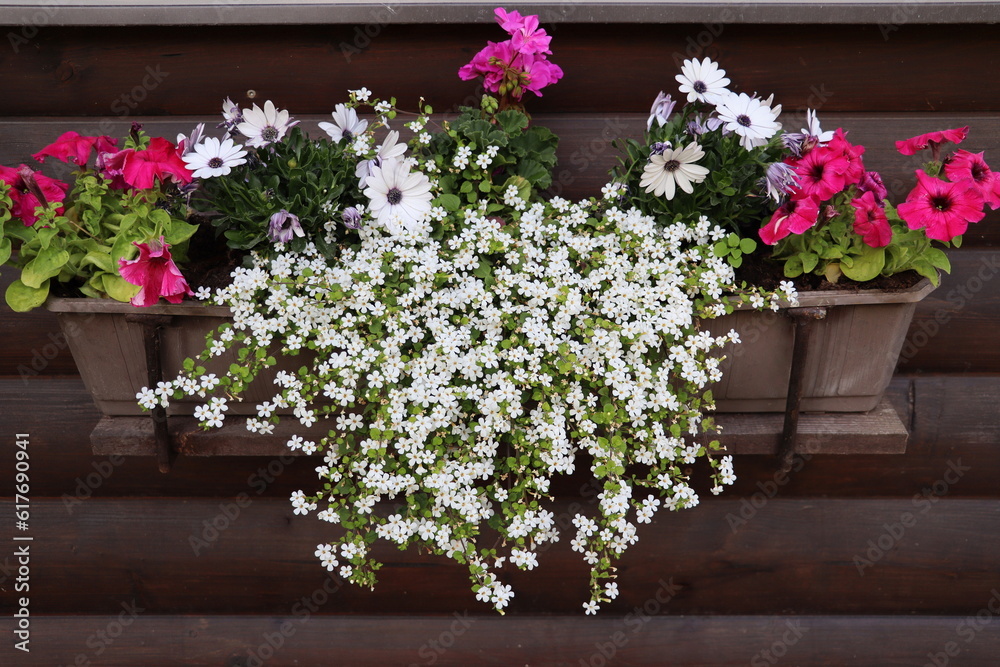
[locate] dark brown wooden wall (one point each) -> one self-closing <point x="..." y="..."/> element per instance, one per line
<point x="815" y="568"/>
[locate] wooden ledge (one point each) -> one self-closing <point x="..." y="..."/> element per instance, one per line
<point x="877" y="432"/>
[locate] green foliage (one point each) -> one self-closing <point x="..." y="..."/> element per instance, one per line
<point x="81" y="247"/>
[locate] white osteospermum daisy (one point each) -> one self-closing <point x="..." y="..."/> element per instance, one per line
<point x="213" y="158"/>
<point x="748" y="117"/>
<point x="674" y="167"/>
<point x="399" y="199"/>
<point x="387" y="151"/>
<point x="263" y="127"/>
<point x="345" y="125"/>
<point x="703" y="81"/>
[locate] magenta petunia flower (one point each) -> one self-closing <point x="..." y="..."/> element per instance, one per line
<point x="160" y="160"/>
<point x="793" y="217"/>
<point x="821" y="173"/>
<point x="155" y="272"/>
<point x="871" y="181"/>
<point x="71" y="147"/>
<point x="870" y="222"/>
<point x="29" y="190"/>
<point x="932" y="140"/>
<point x="944" y="209"/>
<point x="965" y="165"/>
<point x="839" y="145"/>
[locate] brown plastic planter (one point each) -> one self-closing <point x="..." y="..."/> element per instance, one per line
<point x="851" y="357"/>
<point x="110" y="352"/>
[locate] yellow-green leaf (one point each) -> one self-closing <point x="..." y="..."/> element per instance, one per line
<point x="47" y="264"/>
<point x="118" y="288"/>
<point x="22" y="298"/>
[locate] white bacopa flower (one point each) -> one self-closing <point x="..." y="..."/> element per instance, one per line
<point x="674" y="167"/>
<point x="263" y="127"/>
<point x="213" y="158"/>
<point x="400" y="200"/>
<point x="345" y="125"/>
<point x="749" y="117"/>
<point x="703" y="81"/>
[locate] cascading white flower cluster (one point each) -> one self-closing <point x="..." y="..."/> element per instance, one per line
<point x="464" y="373"/>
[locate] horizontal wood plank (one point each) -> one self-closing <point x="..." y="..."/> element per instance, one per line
<point x="253" y="555"/>
<point x="65" y="70"/>
<point x="648" y="637"/>
<point x="949" y="419"/>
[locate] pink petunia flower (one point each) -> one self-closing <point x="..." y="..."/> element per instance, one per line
<point x="839" y="145"/>
<point x="29" y="190"/>
<point x="965" y="165"/>
<point x="155" y="272"/>
<point x="944" y="209"/>
<point x="793" y="217"/>
<point x="159" y="160"/>
<point x="71" y="147"/>
<point x="870" y="222"/>
<point x="932" y="140"/>
<point x="871" y="181"/>
<point x="821" y="173"/>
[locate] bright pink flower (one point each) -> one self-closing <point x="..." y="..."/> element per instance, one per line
<point x="932" y="139"/>
<point x="159" y="160"/>
<point x="821" y="173"/>
<point x="30" y="189"/>
<point x="525" y="36"/>
<point x="155" y="272"/>
<point x="870" y="222"/>
<point x="488" y="63"/>
<point x="539" y="73"/>
<point x="793" y="217"/>
<point x="944" y="208"/>
<point x="112" y="167"/>
<point x="839" y="145"/>
<point x="71" y="147"/>
<point x="965" y="165"/>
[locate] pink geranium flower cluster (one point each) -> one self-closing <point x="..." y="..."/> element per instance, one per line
<point x="824" y="171"/>
<point x="517" y="65"/>
<point x="944" y="206"/>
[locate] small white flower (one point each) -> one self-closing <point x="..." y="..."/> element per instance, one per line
<point x="591" y="608"/>
<point x="361" y="94"/>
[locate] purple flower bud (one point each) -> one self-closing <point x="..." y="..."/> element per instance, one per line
<point x="659" y="147"/>
<point x="663" y="106"/>
<point x="872" y="182"/>
<point x="351" y="217"/>
<point x="781" y="180"/>
<point x="284" y="226"/>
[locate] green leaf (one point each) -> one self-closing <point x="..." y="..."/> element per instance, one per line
<point x="178" y="231"/>
<point x="448" y="202"/>
<point x="47" y="264"/>
<point x="22" y="298"/>
<point x="748" y="246"/>
<point x="5" y="249"/>
<point x="866" y="266"/>
<point x="118" y="288"/>
<point x="101" y="260"/>
<point x="809" y="261"/>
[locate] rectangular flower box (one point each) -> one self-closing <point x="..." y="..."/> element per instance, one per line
<point x="849" y="362"/>
<point x="109" y="348"/>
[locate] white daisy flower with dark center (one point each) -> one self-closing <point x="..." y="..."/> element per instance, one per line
<point x="263" y="127"/>
<point x="703" y="81"/>
<point x="673" y="168"/>
<point x="400" y="200"/>
<point x="215" y="158"/>
<point x="749" y="117"/>
<point x="345" y="125"/>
